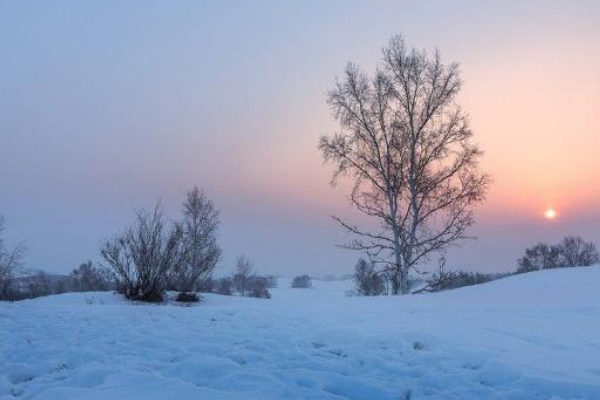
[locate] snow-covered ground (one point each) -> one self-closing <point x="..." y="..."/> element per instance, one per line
<point x="530" y="337"/>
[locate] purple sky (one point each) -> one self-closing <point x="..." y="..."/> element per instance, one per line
<point x="107" y="106"/>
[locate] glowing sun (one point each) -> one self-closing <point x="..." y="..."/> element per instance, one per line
<point x="550" y="213"/>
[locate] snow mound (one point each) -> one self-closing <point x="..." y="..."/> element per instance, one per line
<point x="532" y="336"/>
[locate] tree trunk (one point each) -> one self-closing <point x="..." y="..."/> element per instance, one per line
<point x="404" y="289"/>
<point x="398" y="278"/>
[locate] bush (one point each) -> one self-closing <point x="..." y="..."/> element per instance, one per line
<point x="366" y="280"/>
<point x="145" y="258"/>
<point x="446" y="280"/>
<point x="302" y="282"/>
<point x="258" y="287"/>
<point x="187" y="297"/>
<point x="262" y="293"/>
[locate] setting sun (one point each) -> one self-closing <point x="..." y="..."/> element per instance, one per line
<point x="550" y="213"/>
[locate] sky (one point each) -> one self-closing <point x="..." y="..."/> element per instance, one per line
<point x="107" y="106"/>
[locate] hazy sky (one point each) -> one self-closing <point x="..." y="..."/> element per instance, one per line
<point x="108" y="105"/>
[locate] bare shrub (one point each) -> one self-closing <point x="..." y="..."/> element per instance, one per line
<point x="186" y="297"/>
<point x="302" y="282"/>
<point x="540" y="256"/>
<point x="446" y="280"/>
<point x="366" y="280"/>
<point x="576" y="252"/>
<point x="144" y="258"/>
<point x="258" y="287"/>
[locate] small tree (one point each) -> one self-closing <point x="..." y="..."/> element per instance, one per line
<point x="366" y="280"/>
<point x="302" y="282"/>
<point x="243" y="273"/>
<point x="200" y="225"/>
<point x="406" y="144"/>
<point x="144" y="258"/>
<point x="10" y="263"/>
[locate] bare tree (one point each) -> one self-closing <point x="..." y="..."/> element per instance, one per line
<point x="10" y="263"/>
<point x="145" y="258"/>
<point x="540" y="256"/>
<point x="200" y="225"/>
<point x="406" y="144"/>
<point x="243" y="274"/>
<point x="576" y="252"/>
<point x="89" y="278"/>
<point x="573" y="251"/>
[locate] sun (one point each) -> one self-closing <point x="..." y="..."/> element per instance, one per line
<point x="550" y="213"/>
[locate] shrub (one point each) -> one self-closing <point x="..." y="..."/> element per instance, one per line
<point x="258" y="287"/>
<point x="187" y="297"/>
<point x="145" y="258"/>
<point x="302" y="282"/>
<point x="446" y="280"/>
<point x="366" y="280"/>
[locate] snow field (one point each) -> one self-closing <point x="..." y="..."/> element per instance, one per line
<point x="534" y="336"/>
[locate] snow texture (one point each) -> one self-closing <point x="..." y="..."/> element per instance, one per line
<point x="531" y="337"/>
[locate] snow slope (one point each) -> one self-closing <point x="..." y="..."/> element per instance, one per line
<point x="531" y="337"/>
